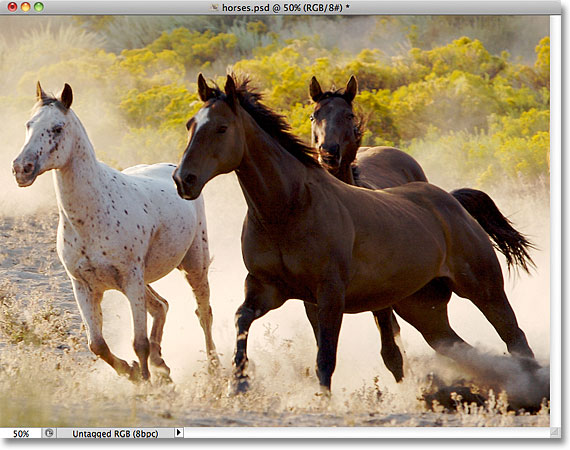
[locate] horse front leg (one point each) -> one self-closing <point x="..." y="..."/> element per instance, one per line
<point x="330" y="301"/>
<point x="260" y="298"/>
<point x="195" y="268"/>
<point x="89" y="303"/>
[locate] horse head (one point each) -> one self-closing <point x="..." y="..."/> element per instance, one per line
<point x="215" y="139"/>
<point x="335" y="128"/>
<point x="48" y="138"/>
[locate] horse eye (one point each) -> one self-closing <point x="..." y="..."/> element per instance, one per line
<point x="312" y="117"/>
<point x="350" y="116"/>
<point x="57" y="129"/>
<point x="316" y="139"/>
<point x="222" y="129"/>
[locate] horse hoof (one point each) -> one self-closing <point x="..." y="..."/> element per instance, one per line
<point x="398" y="375"/>
<point x="162" y="378"/>
<point x="214" y="365"/>
<point x="324" y="392"/>
<point x="238" y="386"/>
<point x="135" y="374"/>
<point x="159" y="368"/>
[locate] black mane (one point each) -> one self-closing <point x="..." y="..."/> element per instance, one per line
<point x="271" y="122"/>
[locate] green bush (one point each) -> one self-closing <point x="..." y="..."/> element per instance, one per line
<point x="480" y="115"/>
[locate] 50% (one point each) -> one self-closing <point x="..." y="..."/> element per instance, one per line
<point x="21" y="434"/>
<point x="292" y="7"/>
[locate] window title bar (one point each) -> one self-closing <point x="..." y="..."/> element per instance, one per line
<point x="213" y="7"/>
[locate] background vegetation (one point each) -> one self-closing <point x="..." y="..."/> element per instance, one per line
<point x="468" y="95"/>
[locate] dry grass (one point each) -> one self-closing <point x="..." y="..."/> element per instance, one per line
<point x="36" y="321"/>
<point x="49" y="378"/>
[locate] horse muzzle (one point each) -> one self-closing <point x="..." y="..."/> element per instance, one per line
<point x="25" y="173"/>
<point x="330" y="157"/>
<point x="330" y="162"/>
<point x="187" y="186"/>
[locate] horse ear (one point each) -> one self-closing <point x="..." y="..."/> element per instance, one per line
<point x="40" y="94"/>
<point x="204" y="91"/>
<point x="66" y="96"/>
<point x="231" y="94"/>
<point x="351" y="89"/>
<point x="315" y="91"/>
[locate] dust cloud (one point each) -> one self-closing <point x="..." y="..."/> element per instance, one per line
<point x="281" y="344"/>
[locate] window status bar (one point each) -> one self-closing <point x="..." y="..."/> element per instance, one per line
<point x="92" y="433"/>
<point x="104" y="433"/>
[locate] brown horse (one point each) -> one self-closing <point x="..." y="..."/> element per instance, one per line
<point x="336" y="133"/>
<point x="309" y="236"/>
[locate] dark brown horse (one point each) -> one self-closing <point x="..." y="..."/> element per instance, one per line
<point x="345" y="249"/>
<point x="336" y="133"/>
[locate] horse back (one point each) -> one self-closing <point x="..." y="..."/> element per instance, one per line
<point x="466" y="241"/>
<point x="171" y="223"/>
<point x="383" y="167"/>
<point x="437" y="203"/>
<point x="407" y="236"/>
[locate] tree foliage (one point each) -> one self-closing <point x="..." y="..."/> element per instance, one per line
<point x="456" y="102"/>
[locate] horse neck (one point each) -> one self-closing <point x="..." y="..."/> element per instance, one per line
<point x="345" y="173"/>
<point x="271" y="178"/>
<point x="79" y="181"/>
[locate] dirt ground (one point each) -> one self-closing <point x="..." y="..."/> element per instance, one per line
<point x="49" y="378"/>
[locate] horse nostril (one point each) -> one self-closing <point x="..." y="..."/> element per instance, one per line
<point x="28" y="168"/>
<point x="332" y="151"/>
<point x="190" y="179"/>
<point x="184" y="183"/>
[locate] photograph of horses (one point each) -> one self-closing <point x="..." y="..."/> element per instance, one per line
<point x="361" y="226"/>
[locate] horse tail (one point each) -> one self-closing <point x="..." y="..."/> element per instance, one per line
<point x="514" y="245"/>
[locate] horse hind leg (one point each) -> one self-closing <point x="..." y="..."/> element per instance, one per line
<point x="195" y="268"/>
<point x="157" y="307"/>
<point x="483" y="285"/>
<point x="388" y="327"/>
<point x="494" y="305"/>
<point x="426" y="310"/>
